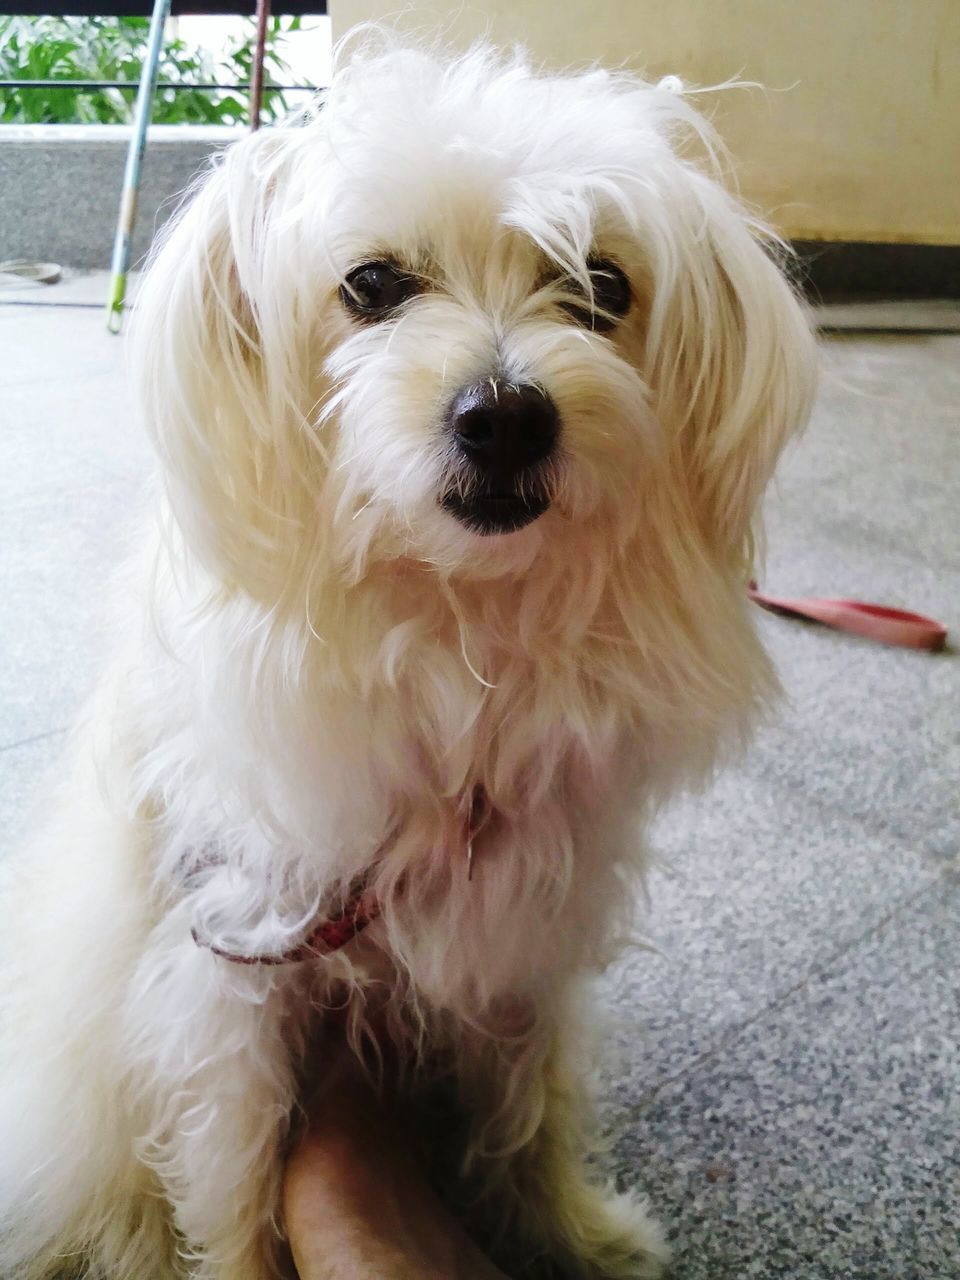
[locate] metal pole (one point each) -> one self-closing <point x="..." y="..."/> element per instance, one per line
<point x="256" y="78"/>
<point x="131" y="176"/>
<point x="180" y="86"/>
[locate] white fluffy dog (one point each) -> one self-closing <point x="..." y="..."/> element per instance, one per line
<point x="463" y="394"/>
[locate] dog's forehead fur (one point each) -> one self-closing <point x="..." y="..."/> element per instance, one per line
<point x="563" y="160"/>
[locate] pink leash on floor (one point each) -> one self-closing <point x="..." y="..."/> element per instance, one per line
<point x="875" y="621"/>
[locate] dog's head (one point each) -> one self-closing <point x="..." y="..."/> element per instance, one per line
<point x="471" y="316"/>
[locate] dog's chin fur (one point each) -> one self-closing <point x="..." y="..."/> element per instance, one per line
<point x="319" y="663"/>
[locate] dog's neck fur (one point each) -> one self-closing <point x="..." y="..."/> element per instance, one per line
<point x="557" y="693"/>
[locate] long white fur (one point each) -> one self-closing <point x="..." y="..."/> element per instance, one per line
<point x="313" y="655"/>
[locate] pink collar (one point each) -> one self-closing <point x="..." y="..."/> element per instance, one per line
<point x="330" y="934"/>
<point x="361" y="905"/>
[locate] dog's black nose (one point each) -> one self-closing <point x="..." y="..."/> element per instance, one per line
<point x="504" y="427"/>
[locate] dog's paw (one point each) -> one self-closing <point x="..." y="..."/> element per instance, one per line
<point x="607" y="1235"/>
<point x="630" y="1244"/>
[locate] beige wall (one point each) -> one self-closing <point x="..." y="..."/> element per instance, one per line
<point x="857" y="136"/>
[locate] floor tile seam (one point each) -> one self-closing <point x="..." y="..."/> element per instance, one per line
<point x="882" y="829"/>
<point x="878" y="829"/>
<point x="93" y="488"/>
<point x="818" y="970"/>
<point x="125" y="485"/>
<point x="82" y="379"/>
<point x="900" y="543"/>
<point x="129" y="479"/>
<point x="36" y="737"/>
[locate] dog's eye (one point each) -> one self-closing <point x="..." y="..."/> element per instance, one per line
<point x="376" y="288"/>
<point x="611" y="296"/>
<point x="611" y="293"/>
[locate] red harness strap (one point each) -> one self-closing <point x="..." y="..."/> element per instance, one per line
<point x="875" y="621"/>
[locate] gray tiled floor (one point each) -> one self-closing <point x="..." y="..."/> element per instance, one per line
<point x="782" y="1076"/>
<point x="820" y="1142"/>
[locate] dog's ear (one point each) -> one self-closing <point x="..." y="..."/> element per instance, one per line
<point x="730" y="359"/>
<point x="222" y="371"/>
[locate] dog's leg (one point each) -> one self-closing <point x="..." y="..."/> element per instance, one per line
<point x="138" y="1072"/>
<point x="73" y="914"/>
<point x="529" y="1151"/>
<point x="216" y="1081"/>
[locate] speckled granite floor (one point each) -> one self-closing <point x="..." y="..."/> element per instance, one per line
<point x="783" y="1076"/>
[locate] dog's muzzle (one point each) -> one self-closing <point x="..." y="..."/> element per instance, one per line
<point x="503" y="435"/>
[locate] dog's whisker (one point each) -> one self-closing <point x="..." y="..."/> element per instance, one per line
<point x="395" y="331"/>
<point x="345" y="464"/>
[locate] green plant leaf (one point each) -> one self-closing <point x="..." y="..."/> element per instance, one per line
<point x="107" y="48"/>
